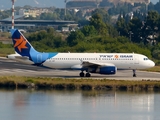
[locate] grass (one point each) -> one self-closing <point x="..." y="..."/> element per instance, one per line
<point x="6" y="51"/>
<point x="92" y="82"/>
<point x="153" y="69"/>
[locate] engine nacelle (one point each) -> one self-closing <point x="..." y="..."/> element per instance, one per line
<point x="108" y="70"/>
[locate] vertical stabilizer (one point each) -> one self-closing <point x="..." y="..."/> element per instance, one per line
<point x="21" y="44"/>
<point x="24" y="48"/>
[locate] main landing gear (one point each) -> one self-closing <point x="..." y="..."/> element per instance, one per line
<point x="134" y="73"/>
<point x="82" y="74"/>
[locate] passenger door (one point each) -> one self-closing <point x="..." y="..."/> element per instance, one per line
<point x="136" y="62"/>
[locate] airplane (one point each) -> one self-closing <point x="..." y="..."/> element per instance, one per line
<point x="87" y="63"/>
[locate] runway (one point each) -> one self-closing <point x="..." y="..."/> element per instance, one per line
<point x="9" y="67"/>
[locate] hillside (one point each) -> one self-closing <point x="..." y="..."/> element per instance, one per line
<point x="6" y="4"/>
<point x="129" y="1"/>
<point x="102" y="3"/>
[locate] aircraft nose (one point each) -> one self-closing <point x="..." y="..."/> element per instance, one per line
<point x="152" y="64"/>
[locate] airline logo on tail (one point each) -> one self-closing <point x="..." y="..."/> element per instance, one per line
<point x="20" y="43"/>
<point x="24" y="48"/>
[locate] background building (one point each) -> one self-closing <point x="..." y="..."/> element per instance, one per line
<point x="6" y="24"/>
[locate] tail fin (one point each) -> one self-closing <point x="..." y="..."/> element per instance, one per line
<point x="21" y="44"/>
<point x="24" y="48"/>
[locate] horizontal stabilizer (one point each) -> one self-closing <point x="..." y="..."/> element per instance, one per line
<point x="22" y="57"/>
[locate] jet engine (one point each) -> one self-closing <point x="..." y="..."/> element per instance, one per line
<point x="108" y="70"/>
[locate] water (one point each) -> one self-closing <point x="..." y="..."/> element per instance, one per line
<point x="79" y="105"/>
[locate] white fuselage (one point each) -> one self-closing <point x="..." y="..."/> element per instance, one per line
<point x="120" y="60"/>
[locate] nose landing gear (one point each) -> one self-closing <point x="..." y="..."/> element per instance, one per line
<point x="134" y="73"/>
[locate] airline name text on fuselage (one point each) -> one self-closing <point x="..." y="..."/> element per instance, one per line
<point x="117" y="56"/>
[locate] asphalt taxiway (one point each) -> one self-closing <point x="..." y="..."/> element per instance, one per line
<point x="10" y="67"/>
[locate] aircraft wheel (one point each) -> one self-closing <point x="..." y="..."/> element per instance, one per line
<point x="88" y="75"/>
<point x="81" y="74"/>
<point x="134" y="75"/>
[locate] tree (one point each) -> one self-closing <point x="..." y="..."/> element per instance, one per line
<point x="112" y="31"/>
<point x="135" y="30"/>
<point x="74" y="36"/>
<point x="104" y="14"/>
<point x="89" y="30"/>
<point x="152" y="19"/>
<point x="38" y="36"/>
<point x="122" y="27"/>
<point x="99" y="25"/>
<point x="150" y="28"/>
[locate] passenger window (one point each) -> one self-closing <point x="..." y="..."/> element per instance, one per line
<point x="145" y="58"/>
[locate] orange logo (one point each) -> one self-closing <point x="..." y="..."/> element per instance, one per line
<point x="116" y="56"/>
<point x="20" y="43"/>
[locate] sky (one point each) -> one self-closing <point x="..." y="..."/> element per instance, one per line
<point x="6" y="4"/>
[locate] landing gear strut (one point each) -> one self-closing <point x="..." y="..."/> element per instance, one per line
<point x="134" y="73"/>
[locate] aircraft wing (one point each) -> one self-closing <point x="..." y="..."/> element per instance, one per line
<point x="90" y="64"/>
<point x="95" y="64"/>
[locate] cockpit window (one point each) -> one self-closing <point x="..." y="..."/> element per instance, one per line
<point x="146" y="59"/>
